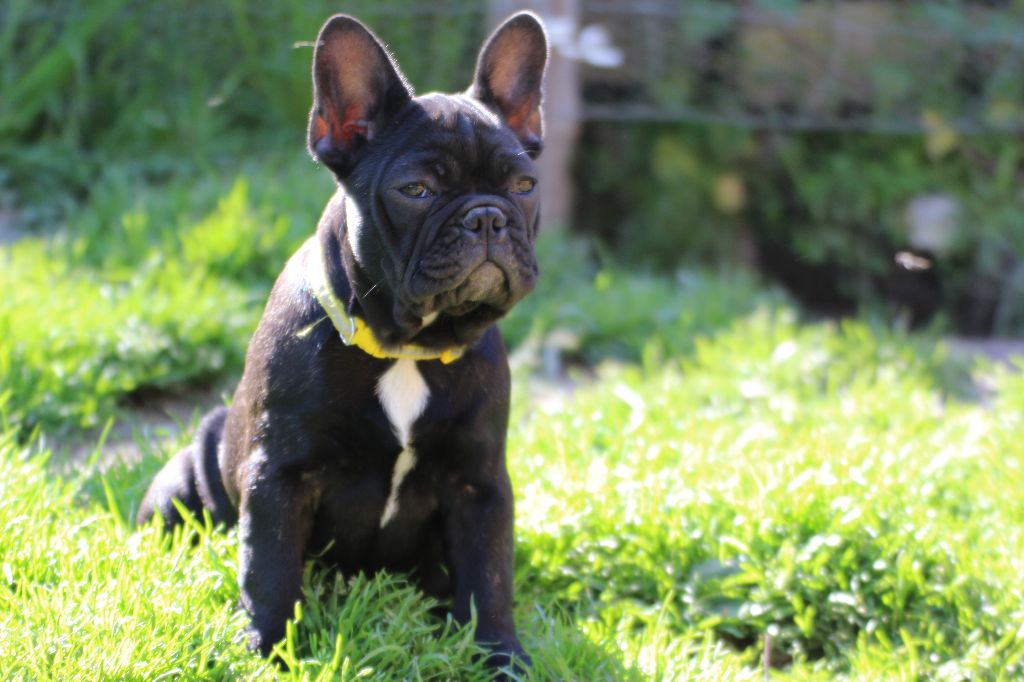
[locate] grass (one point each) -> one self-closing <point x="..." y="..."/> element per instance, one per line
<point x="807" y="483"/>
<point x="147" y="287"/>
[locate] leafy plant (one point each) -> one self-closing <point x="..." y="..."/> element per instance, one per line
<point x="671" y="195"/>
<point x="168" y="86"/>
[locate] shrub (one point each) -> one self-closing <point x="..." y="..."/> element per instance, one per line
<point x="823" y="212"/>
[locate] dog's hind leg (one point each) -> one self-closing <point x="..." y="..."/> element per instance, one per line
<point x="193" y="478"/>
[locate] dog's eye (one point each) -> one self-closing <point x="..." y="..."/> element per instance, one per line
<point x="417" y="190"/>
<point x="523" y="185"/>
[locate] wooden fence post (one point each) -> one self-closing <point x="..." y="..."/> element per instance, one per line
<point x="561" y="105"/>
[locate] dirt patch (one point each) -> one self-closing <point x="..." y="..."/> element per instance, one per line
<point x="1005" y="353"/>
<point x="9" y="232"/>
<point x="157" y="423"/>
<point x="999" y="350"/>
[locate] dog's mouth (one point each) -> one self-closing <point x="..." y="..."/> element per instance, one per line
<point x="457" y="314"/>
<point x="486" y="286"/>
<point x="462" y="308"/>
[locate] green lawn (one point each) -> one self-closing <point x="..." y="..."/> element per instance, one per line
<point x="722" y="475"/>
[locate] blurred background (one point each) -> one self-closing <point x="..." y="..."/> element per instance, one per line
<point x="861" y="155"/>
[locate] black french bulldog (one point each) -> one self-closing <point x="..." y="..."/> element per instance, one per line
<point x="369" y="426"/>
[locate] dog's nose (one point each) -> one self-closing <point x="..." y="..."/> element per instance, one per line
<point x="485" y="220"/>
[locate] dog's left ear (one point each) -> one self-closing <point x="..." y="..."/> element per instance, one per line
<point x="510" y="76"/>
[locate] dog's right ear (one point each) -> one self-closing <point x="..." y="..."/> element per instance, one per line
<point x="357" y="88"/>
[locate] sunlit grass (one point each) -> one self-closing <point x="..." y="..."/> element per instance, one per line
<point x="809" y="484"/>
<point x="147" y="288"/>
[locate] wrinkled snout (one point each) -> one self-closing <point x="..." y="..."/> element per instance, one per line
<point x="482" y="257"/>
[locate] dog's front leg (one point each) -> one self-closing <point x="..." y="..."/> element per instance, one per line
<point x="274" y="525"/>
<point x="479" y="553"/>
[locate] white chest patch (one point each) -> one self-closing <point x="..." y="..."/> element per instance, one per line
<point x="403" y="394"/>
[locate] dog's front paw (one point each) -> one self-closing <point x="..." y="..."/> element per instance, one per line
<point x="510" y="657"/>
<point x="262" y="640"/>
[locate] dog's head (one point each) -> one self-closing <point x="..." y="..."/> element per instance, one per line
<point x="441" y="202"/>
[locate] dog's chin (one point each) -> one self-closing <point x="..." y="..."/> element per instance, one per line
<point x="460" y="324"/>
<point x="464" y="329"/>
<point x="458" y="315"/>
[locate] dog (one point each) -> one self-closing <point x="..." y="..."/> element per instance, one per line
<point x="369" y="426"/>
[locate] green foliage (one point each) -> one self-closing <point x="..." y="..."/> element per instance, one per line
<point x="74" y="341"/>
<point x="848" y="196"/>
<point x="649" y="191"/>
<point x="671" y="194"/>
<point x="815" y="65"/>
<point x="179" y="90"/>
<point x="72" y="607"/>
<point x="164" y="83"/>
<point x="590" y="312"/>
<point x="147" y="289"/>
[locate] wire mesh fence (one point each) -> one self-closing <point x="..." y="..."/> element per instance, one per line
<point x="871" y="65"/>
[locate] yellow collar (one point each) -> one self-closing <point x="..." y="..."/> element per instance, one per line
<point x="354" y="331"/>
